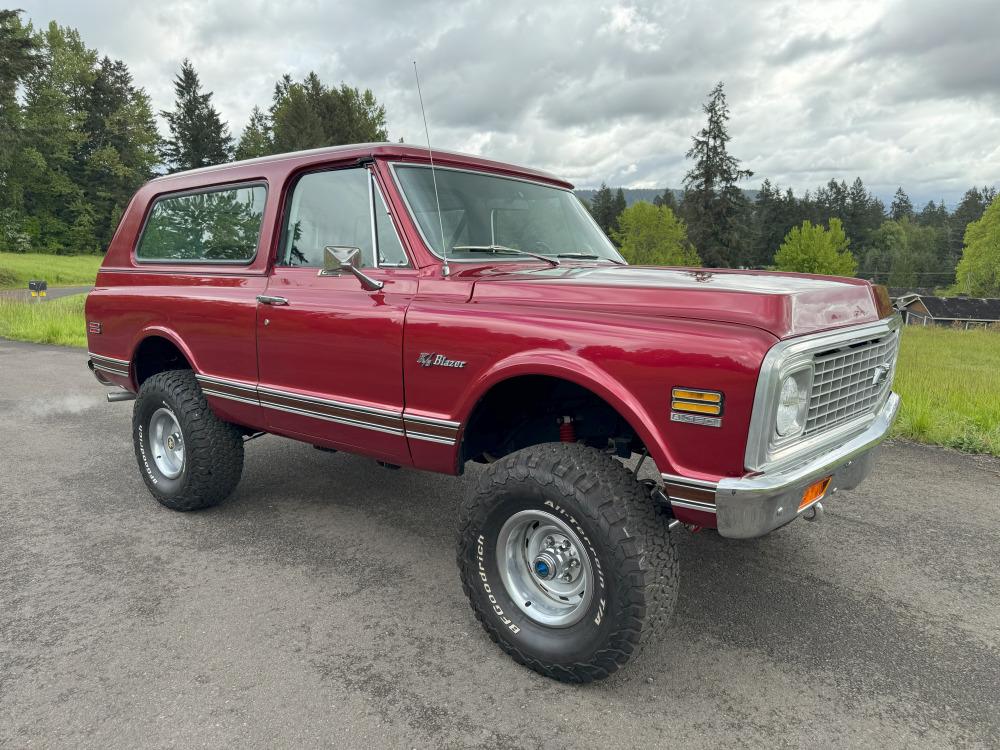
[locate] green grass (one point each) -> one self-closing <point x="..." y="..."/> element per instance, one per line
<point x="16" y="269"/>
<point x="58" y="321"/>
<point x="949" y="381"/>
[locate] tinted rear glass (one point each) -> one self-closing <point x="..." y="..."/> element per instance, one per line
<point x="220" y="226"/>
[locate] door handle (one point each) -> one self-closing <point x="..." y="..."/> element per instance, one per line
<point x="266" y="300"/>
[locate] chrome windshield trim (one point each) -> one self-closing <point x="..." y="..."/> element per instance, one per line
<point x="491" y="258"/>
<point x="781" y="359"/>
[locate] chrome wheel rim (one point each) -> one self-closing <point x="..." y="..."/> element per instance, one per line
<point x="166" y="443"/>
<point x="545" y="568"/>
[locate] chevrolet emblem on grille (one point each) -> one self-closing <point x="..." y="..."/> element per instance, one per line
<point x="880" y="372"/>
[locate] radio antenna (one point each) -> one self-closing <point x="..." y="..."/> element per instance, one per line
<point x="445" y="271"/>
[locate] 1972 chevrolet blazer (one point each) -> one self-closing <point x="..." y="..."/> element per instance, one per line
<point x="358" y="299"/>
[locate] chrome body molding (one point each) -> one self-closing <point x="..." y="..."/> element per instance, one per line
<point x="110" y="365"/>
<point x="388" y="421"/>
<point x="763" y="451"/>
<point x="431" y="429"/>
<point x="233" y="390"/>
<point x="754" y="505"/>
<point x="694" y="494"/>
<point x="691" y="505"/>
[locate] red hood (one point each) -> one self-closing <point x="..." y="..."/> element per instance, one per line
<point x="783" y="304"/>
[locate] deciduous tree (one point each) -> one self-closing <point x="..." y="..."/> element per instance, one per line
<point x="654" y="236"/>
<point x="813" y="248"/>
<point x="978" y="271"/>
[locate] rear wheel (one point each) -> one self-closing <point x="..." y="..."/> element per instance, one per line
<point x="567" y="563"/>
<point x="189" y="458"/>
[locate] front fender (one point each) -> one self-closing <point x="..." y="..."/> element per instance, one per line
<point x="580" y="371"/>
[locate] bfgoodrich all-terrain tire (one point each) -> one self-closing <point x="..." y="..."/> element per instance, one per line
<point x="188" y="457"/>
<point x="567" y="562"/>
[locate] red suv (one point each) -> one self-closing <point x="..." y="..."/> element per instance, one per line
<point x="357" y="299"/>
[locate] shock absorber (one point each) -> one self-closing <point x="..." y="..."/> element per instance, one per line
<point x="567" y="432"/>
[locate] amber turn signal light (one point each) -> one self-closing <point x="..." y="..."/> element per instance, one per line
<point x="814" y="492"/>
<point x="698" y="402"/>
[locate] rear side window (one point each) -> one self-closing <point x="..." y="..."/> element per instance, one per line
<point x="217" y="226"/>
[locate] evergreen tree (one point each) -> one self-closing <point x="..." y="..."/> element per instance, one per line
<point x="933" y="215"/>
<point x="58" y="218"/>
<point x="256" y="139"/>
<point x="311" y="115"/>
<point x="865" y="214"/>
<point x="618" y="205"/>
<point x="773" y="217"/>
<point x="602" y="208"/>
<point x="119" y="151"/>
<point x="714" y="207"/>
<point x="198" y="137"/>
<point x="902" y="206"/>
<point x="667" y="199"/>
<point x="19" y="58"/>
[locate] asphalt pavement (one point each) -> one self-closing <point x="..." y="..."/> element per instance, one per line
<point x="51" y="293"/>
<point x="321" y="606"/>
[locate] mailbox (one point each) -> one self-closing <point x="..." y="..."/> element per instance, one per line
<point x="38" y="287"/>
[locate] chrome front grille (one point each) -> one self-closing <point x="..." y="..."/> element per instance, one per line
<point x="845" y="386"/>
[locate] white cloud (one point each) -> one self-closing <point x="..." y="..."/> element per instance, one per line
<point x="900" y="93"/>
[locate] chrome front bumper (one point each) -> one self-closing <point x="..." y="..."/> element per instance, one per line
<point x="753" y="506"/>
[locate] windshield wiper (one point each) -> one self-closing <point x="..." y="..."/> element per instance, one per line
<point x="504" y="249"/>
<point x="587" y="256"/>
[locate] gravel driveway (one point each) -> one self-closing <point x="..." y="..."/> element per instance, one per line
<point x="321" y="606"/>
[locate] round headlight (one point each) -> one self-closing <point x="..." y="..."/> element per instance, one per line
<point x="792" y="405"/>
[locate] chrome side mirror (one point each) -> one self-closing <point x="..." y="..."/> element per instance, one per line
<point x="337" y="259"/>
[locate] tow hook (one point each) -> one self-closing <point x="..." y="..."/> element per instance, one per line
<point x="814" y="513"/>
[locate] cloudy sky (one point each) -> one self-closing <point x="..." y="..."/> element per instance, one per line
<point x="899" y="92"/>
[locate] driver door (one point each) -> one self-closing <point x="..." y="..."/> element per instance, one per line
<point x="329" y="351"/>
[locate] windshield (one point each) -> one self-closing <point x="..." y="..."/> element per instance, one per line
<point x="483" y="213"/>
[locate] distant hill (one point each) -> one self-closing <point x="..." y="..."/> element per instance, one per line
<point x="634" y="195"/>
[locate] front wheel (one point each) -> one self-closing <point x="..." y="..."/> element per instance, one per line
<point x="566" y="561"/>
<point x="189" y="458"/>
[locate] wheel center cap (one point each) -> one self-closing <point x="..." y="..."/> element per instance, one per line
<point x="545" y="566"/>
<point x="172" y="442"/>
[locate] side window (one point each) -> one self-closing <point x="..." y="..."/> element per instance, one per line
<point x="390" y="251"/>
<point x="329" y="208"/>
<point x="220" y="226"/>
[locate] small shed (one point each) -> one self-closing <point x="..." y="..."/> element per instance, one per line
<point x="963" y="312"/>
